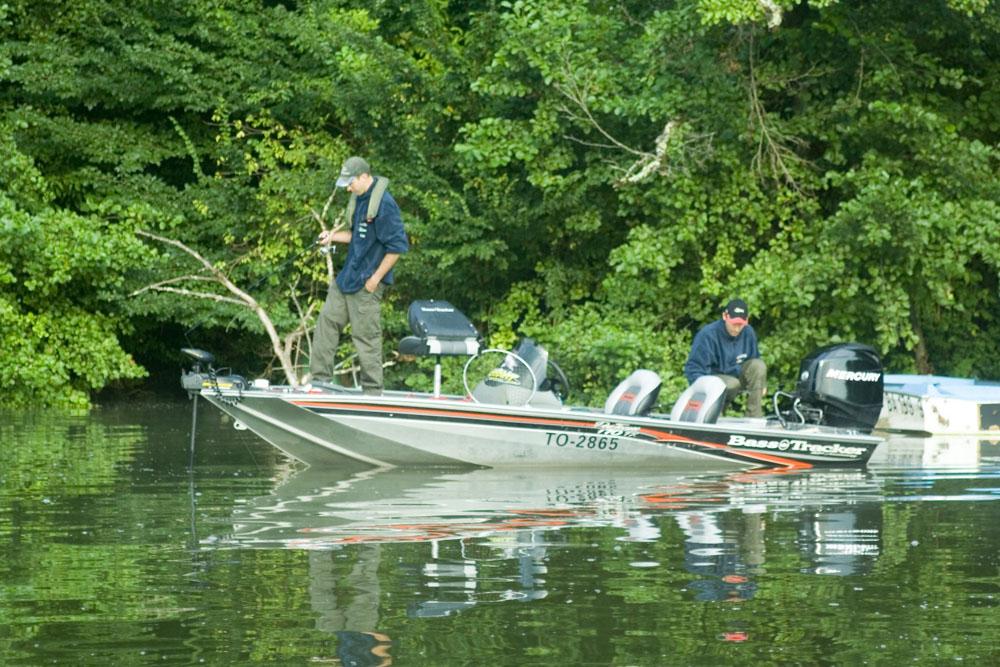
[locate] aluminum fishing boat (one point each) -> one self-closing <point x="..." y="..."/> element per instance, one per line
<point x="940" y="405"/>
<point x="514" y="415"/>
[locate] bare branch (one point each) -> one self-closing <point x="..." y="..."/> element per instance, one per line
<point x="576" y="91"/>
<point x="170" y="281"/>
<point x="773" y="13"/>
<point x="772" y="144"/>
<point x="201" y="295"/>
<point x="220" y="277"/>
<point x="281" y="348"/>
<point x="592" y="144"/>
<point x="329" y="202"/>
<point x="651" y="162"/>
<point x="178" y="244"/>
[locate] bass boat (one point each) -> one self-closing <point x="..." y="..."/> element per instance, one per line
<point x="513" y="413"/>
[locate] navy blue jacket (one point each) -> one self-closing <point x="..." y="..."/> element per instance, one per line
<point x="715" y="352"/>
<point x="371" y="241"/>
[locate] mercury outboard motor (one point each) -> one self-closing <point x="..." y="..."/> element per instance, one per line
<point x="839" y="385"/>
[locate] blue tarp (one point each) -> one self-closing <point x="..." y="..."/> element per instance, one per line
<point x="968" y="389"/>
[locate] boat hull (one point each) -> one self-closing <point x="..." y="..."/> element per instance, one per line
<point x="939" y="405"/>
<point x="400" y="429"/>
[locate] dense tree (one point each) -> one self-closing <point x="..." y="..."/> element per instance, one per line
<point x="833" y="164"/>
<point x="599" y="175"/>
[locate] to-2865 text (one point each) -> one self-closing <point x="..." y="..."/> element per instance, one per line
<point x="582" y="441"/>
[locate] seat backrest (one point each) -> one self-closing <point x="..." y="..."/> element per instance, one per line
<point x="536" y="356"/>
<point x="439" y="329"/>
<point x="702" y="402"/>
<point x="439" y="319"/>
<point x="635" y="395"/>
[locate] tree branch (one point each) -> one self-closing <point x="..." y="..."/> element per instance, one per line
<point x="201" y="295"/>
<point x="282" y="348"/>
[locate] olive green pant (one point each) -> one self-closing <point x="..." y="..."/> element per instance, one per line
<point x="363" y="311"/>
<point x="753" y="380"/>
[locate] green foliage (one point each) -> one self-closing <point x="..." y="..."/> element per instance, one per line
<point x="851" y="206"/>
<point x="599" y="175"/>
<point x="58" y="331"/>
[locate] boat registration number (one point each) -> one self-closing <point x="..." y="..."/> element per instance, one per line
<point x="582" y="441"/>
<point x="902" y="404"/>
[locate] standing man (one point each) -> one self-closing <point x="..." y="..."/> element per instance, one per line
<point x="728" y="349"/>
<point x="376" y="239"/>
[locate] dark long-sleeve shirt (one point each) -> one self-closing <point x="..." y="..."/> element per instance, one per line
<point x="715" y="352"/>
<point x="371" y="241"/>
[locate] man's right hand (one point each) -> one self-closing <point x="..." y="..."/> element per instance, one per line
<point x="328" y="236"/>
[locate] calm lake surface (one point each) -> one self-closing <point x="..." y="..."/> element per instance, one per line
<point x="114" y="550"/>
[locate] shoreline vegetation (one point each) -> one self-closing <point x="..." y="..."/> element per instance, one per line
<point x="599" y="176"/>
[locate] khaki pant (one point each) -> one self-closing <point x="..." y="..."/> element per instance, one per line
<point x="753" y="380"/>
<point x="363" y="311"/>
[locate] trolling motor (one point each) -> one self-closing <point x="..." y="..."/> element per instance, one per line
<point x="839" y="385"/>
<point x="196" y="379"/>
<point x="193" y="381"/>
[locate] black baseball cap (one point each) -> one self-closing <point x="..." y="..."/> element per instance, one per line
<point x="737" y="311"/>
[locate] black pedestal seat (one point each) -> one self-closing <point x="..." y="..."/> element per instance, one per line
<point x="441" y="330"/>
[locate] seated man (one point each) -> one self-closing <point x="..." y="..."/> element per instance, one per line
<point x="727" y="348"/>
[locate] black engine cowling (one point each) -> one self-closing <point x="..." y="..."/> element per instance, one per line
<point x="841" y="385"/>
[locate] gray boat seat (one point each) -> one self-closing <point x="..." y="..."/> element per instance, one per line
<point x="635" y="395"/>
<point x="702" y="402"/>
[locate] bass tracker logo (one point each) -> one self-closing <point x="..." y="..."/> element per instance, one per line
<point x="786" y="444"/>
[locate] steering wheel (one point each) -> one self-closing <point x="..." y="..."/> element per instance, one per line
<point x="557" y="384"/>
<point x="521" y="400"/>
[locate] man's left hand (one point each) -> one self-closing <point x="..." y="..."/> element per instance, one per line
<point x="372" y="284"/>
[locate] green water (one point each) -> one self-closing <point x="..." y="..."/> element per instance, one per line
<point x="115" y="551"/>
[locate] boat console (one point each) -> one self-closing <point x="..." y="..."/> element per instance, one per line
<point x="514" y="378"/>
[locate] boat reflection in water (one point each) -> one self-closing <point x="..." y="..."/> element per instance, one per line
<point x="323" y="508"/>
<point x="486" y="536"/>
<point x="470" y="520"/>
<point x="938" y="451"/>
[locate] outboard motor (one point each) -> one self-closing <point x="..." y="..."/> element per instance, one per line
<point x="839" y="385"/>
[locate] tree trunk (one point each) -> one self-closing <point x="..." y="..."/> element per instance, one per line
<point x="920" y="349"/>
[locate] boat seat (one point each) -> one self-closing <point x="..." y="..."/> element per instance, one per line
<point x="434" y="346"/>
<point x="635" y="395"/>
<point x="702" y="402"/>
<point x="439" y="329"/>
